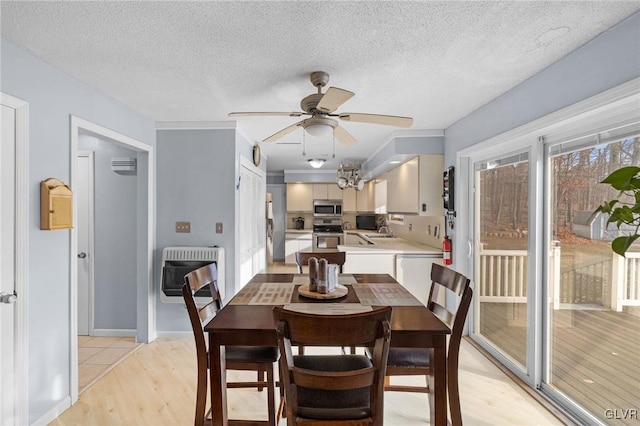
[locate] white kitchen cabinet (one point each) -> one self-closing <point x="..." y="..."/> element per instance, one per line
<point x="380" y="197"/>
<point x="415" y="187"/>
<point x="369" y="263"/>
<point x="326" y="191"/>
<point x="402" y="188"/>
<point x="365" y="202"/>
<point x="296" y="241"/>
<point x="299" y="197"/>
<point x="349" y="200"/>
<point x="413" y="271"/>
<point x="431" y="170"/>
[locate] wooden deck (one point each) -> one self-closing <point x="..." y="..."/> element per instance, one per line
<point x="595" y="353"/>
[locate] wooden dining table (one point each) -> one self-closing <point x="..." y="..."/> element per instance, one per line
<point x="247" y="320"/>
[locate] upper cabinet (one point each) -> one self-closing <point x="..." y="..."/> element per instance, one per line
<point x="326" y="191"/>
<point x="415" y="187"/>
<point x="299" y="197"/>
<point x="349" y="203"/>
<point x="380" y="197"/>
<point x="365" y="202"/>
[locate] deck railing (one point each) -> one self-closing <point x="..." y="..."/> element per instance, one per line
<point x="502" y="277"/>
<point x="625" y="276"/>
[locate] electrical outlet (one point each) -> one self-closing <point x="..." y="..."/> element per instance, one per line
<point x="219" y="228"/>
<point x="183" y="227"/>
<point x="411" y="227"/>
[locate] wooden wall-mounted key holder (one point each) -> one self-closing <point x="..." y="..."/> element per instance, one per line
<point x="56" y="205"/>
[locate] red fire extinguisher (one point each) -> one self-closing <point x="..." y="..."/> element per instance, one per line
<point x="446" y="250"/>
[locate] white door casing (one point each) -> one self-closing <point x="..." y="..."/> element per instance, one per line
<point x="145" y="304"/>
<point x="13" y="261"/>
<point x="7" y="286"/>
<point x="84" y="193"/>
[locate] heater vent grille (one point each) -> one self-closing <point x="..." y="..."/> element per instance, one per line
<point x="123" y="164"/>
<point x="192" y="255"/>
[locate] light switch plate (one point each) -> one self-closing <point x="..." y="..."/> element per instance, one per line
<point x="218" y="227"/>
<point x="183" y="227"/>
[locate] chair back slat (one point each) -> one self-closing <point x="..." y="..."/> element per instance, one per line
<point x="334" y="380"/>
<point x="331" y="330"/>
<point x="336" y="257"/>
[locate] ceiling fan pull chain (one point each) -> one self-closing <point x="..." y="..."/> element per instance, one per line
<point x="334" y="147"/>
<point x="304" y="149"/>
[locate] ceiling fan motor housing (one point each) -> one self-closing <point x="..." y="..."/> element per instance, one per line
<point x="309" y="103"/>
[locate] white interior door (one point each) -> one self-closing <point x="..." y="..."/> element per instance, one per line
<point x="7" y="269"/>
<point x="84" y="194"/>
<point x="252" y="223"/>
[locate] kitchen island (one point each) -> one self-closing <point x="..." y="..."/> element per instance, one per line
<point x="409" y="262"/>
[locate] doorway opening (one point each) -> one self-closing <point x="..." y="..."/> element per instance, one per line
<point x="142" y="230"/>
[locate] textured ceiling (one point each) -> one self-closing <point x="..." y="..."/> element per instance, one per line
<point x="198" y="61"/>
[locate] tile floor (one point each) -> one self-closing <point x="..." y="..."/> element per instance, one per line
<point x="98" y="355"/>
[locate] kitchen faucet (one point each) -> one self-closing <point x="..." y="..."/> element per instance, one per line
<point x="383" y="229"/>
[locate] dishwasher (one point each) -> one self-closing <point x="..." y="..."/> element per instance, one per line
<point x="413" y="271"/>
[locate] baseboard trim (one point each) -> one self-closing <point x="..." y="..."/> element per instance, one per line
<point x="175" y="335"/>
<point x="108" y="332"/>
<point x="52" y="414"/>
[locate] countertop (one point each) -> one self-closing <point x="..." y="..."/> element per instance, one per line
<point x="299" y="231"/>
<point x="394" y="245"/>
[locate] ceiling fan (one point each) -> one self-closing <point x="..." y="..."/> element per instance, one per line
<point x="320" y="107"/>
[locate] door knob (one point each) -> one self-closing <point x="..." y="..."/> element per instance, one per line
<point x="82" y="255"/>
<point x="8" y="297"/>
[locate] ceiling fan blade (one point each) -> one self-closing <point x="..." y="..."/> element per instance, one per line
<point x="283" y="132"/>
<point x="343" y="136"/>
<point x="266" y="114"/>
<point x="333" y="98"/>
<point x="387" y="120"/>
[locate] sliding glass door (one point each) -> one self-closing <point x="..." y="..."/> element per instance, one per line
<point x="593" y="340"/>
<point x="502" y="255"/>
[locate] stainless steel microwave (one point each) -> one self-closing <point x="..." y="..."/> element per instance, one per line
<point x="327" y="208"/>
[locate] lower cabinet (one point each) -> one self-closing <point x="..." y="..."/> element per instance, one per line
<point x="294" y="242"/>
<point x="414" y="273"/>
<point x="369" y="263"/>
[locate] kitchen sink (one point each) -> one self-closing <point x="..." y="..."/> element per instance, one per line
<point x="379" y="235"/>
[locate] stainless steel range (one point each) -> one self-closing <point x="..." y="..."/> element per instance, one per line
<point x="327" y="234"/>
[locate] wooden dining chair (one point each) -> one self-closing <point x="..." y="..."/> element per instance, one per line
<point x="333" y="389"/>
<point x="337" y="257"/>
<point x="259" y="359"/>
<point x="414" y="361"/>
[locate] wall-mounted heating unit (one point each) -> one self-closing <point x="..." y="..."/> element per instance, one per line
<point x="179" y="261"/>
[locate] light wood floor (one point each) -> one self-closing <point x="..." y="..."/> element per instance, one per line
<point x="156" y="386"/>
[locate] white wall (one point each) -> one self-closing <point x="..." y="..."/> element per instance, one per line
<point x="53" y="96"/>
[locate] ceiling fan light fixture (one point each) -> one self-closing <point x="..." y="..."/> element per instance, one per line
<point x="316" y="163"/>
<point x="319" y="130"/>
<point x="319" y="126"/>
